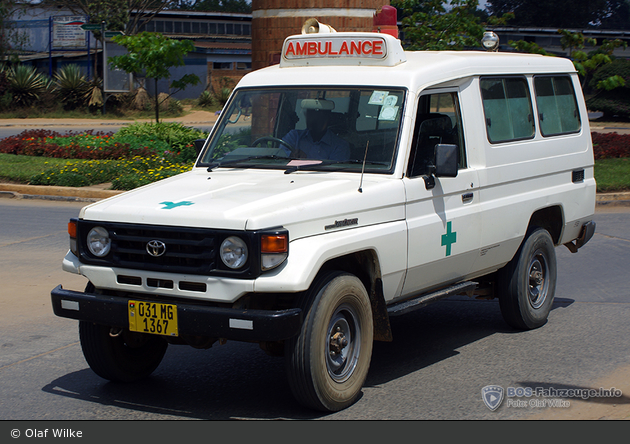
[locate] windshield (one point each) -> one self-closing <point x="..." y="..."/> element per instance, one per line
<point x="314" y="128"/>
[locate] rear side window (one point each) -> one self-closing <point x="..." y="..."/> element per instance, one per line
<point x="557" y="106"/>
<point x="508" y="109"/>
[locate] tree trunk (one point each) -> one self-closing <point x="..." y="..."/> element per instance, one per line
<point x="157" y="103"/>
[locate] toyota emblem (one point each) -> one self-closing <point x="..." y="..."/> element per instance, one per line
<point x="156" y="248"/>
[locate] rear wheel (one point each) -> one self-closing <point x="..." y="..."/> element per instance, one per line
<point x="327" y="363"/>
<point x="527" y="283"/>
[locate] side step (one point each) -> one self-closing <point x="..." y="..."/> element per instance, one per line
<point x="403" y="307"/>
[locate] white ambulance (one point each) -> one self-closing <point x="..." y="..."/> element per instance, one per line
<point x="351" y="183"/>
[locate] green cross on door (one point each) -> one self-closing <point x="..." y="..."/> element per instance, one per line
<point x="449" y="238"/>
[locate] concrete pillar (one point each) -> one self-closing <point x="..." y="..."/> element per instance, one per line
<point x="274" y="20"/>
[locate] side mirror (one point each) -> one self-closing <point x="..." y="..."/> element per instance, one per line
<point x="446" y="164"/>
<point x="446" y="160"/>
<point x="199" y="143"/>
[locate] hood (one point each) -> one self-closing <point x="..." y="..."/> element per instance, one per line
<point x="255" y="199"/>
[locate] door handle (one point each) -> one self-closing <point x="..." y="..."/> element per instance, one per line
<point x="467" y="197"/>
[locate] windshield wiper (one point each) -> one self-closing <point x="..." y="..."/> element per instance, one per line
<point x="243" y="159"/>
<point x="294" y="168"/>
<point x="311" y="166"/>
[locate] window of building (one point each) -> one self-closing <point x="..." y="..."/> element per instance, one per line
<point x="557" y="106"/>
<point x="508" y="109"/>
<point x="221" y="65"/>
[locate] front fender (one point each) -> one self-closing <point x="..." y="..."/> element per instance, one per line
<point x="308" y="255"/>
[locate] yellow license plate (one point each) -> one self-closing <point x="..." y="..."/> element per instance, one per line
<point x="153" y="317"/>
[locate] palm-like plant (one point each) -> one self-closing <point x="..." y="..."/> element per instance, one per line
<point x="26" y="84"/>
<point x="71" y="86"/>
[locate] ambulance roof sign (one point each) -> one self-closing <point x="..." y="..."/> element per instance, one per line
<point x="342" y="48"/>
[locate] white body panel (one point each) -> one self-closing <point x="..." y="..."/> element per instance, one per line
<point x="401" y="222"/>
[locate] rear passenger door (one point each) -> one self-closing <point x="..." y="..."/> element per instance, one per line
<point x="443" y="222"/>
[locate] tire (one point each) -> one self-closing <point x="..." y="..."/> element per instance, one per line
<point x="328" y="361"/>
<point x="527" y="284"/>
<point x="126" y="358"/>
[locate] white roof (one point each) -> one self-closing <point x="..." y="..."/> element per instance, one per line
<point x="421" y="69"/>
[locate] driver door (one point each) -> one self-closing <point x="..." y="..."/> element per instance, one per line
<point x="443" y="223"/>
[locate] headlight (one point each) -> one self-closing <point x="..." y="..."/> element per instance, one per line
<point x="233" y="252"/>
<point x="98" y="241"/>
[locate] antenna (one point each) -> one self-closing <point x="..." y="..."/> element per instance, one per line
<point x="363" y="167"/>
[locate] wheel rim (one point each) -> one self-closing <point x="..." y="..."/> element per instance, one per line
<point x="343" y="343"/>
<point x="538" y="284"/>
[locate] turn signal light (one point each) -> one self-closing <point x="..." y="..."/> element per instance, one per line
<point x="72" y="232"/>
<point x="274" y="243"/>
<point x="274" y="249"/>
<point x="72" y="229"/>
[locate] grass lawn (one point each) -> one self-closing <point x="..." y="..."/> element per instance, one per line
<point x="612" y="174"/>
<point x="20" y="169"/>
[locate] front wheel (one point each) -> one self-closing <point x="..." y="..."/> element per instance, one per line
<point x="127" y="357"/>
<point x="327" y="363"/>
<point x="527" y="284"/>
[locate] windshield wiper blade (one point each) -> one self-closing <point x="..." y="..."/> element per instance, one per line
<point x="310" y="166"/>
<point x="243" y="159"/>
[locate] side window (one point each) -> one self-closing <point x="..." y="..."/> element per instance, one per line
<point x="438" y="121"/>
<point x="508" y="109"/>
<point x="557" y="106"/>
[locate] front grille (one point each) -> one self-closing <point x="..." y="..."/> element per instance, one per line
<point x="187" y="250"/>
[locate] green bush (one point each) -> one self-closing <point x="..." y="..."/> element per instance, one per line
<point x="205" y="100"/>
<point x="617" y="101"/>
<point x="26" y="84"/>
<point x="179" y="138"/>
<point x="71" y="86"/>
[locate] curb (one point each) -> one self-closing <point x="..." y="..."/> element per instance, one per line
<point x="67" y="194"/>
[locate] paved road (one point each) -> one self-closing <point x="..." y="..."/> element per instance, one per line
<point x="440" y="359"/>
<point x="202" y="120"/>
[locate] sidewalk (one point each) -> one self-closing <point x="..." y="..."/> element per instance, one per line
<point x="193" y="118"/>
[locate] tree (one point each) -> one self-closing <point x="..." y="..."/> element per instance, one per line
<point x="559" y="13"/>
<point x="585" y="63"/>
<point x="617" y="16"/>
<point x="238" y="6"/>
<point x="11" y="39"/>
<point x="154" y="54"/>
<point x="441" y="24"/>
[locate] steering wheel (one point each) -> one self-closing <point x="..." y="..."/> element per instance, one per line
<point x="274" y="139"/>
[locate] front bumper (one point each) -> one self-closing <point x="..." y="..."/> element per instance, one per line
<point x="193" y="320"/>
